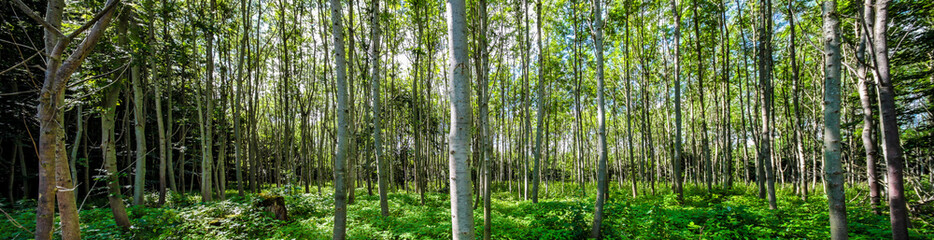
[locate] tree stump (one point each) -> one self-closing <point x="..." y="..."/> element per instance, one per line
<point x="276" y="205"/>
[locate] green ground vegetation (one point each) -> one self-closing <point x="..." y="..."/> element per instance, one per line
<point x="721" y="214"/>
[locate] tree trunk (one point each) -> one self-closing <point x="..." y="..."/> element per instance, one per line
<point x="891" y="145"/>
<point x="862" y="71"/>
<point x="678" y="159"/>
<point x="765" y="83"/>
<point x="707" y="176"/>
<point x="486" y="141"/>
<point x="73" y="156"/>
<point x="381" y="167"/>
<point x="162" y="151"/>
<point x="54" y="173"/>
<point x="207" y="124"/>
<point x="461" y="117"/>
<point x="536" y="168"/>
<point x="832" y="146"/>
<point x="632" y="165"/>
<point x="340" y="194"/>
<point x="601" y="120"/>
<point x="169" y="119"/>
<point x="109" y="149"/>
<point x="798" y="135"/>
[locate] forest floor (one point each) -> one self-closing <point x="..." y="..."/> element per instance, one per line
<point x="720" y="214"/>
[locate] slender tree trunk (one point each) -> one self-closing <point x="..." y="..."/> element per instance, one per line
<point x="832" y="167"/>
<point x="536" y="169"/>
<point x="54" y="173"/>
<point x="374" y="53"/>
<point x="139" y="123"/>
<point x="24" y="175"/>
<point x="765" y="83"/>
<point x="162" y="143"/>
<point x="891" y="145"/>
<point x="601" y="119"/>
<point x="678" y="159"/>
<point x="862" y="71"/>
<point x="73" y="156"/>
<point x="461" y="116"/>
<point x="486" y="141"/>
<point x="632" y="165"/>
<point x="707" y="176"/>
<point x="340" y="194"/>
<point x="109" y="149"/>
<point x="799" y="139"/>
<point x="207" y="142"/>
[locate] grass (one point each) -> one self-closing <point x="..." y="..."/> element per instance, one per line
<point x="721" y="214"/>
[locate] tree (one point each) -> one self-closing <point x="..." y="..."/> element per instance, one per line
<point x="53" y="163"/>
<point x="462" y="225"/>
<point x="833" y="169"/>
<point x="765" y="85"/>
<point x="891" y="141"/>
<point x="340" y="194"/>
<point x="536" y="178"/>
<point x="139" y="119"/>
<point x="796" y="83"/>
<point x="109" y="149"/>
<point x="678" y="158"/>
<point x="486" y="134"/>
<point x="207" y="123"/>
<point x="865" y="100"/>
<point x="601" y="119"/>
<point x="374" y="81"/>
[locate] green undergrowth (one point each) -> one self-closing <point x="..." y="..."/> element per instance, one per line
<point x="720" y="214"/>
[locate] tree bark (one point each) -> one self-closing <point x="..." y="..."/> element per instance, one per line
<point x="207" y="124"/>
<point x="678" y="159"/>
<point x="865" y="100"/>
<point x="536" y="168"/>
<point x="798" y="135"/>
<point x="832" y="145"/>
<point x="601" y="120"/>
<point x="462" y="225"/>
<point x="109" y="149"/>
<point x="891" y="145"/>
<point x="340" y="194"/>
<point x="765" y="83"/>
<point x="381" y="167"/>
<point x="54" y="173"/>
<point x="486" y="141"/>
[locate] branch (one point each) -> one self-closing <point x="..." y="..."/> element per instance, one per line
<point x="32" y="14"/>
<point x="20" y="63"/>
<point x="74" y="60"/>
<point x="110" y="5"/>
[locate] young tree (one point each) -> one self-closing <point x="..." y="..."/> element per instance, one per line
<point x="536" y="178"/>
<point x="374" y="91"/>
<point x="340" y="194"/>
<point x="207" y="123"/>
<point x="109" y="149"/>
<point x="765" y="85"/>
<point x="796" y="84"/>
<point x="54" y="173"/>
<point x="601" y="119"/>
<point x="833" y="169"/>
<point x="891" y="142"/>
<point x="862" y="72"/>
<point x="678" y="158"/>
<point x="486" y="141"/>
<point x="462" y="225"/>
<point x="139" y="119"/>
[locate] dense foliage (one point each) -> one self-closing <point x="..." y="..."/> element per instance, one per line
<point x="721" y="214"/>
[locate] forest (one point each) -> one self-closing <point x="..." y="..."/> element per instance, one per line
<point x="467" y="119"/>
